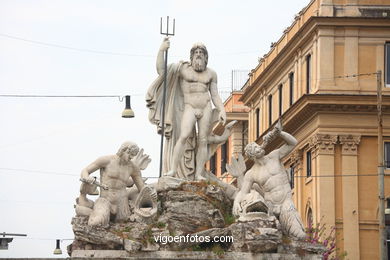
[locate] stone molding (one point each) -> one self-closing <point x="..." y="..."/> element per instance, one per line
<point x="296" y="157"/>
<point x="323" y="143"/>
<point x="349" y="144"/>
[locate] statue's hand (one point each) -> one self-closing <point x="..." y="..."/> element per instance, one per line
<point x="165" y="44"/>
<point x="278" y="126"/>
<point x="237" y="209"/>
<point x="222" y="117"/>
<point x="90" y="179"/>
<point x="141" y="160"/>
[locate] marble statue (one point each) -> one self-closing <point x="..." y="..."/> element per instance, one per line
<point x="191" y="92"/>
<point x="117" y="172"/>
<point x="266" y="185"/>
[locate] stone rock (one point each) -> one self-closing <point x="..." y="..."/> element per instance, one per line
<point x="193" y="207"/>
<point x="95" y="235"/>
<point x="167" y="182"/>
<point x="300" y="247"/>
<point x="131" y="246"/>
<point x="258" y="236"/>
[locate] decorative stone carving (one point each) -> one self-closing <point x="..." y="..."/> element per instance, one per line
<point x="296" y="157"/>
<point x="274" y="188"/>
<point x="323" y="143"/>
<point x="117" y="172"/>
<point x="191" y="91"/>
<point x="146" y="204"/>
<point x="349" y="144"/>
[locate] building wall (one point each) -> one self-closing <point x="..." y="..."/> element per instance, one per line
<point x="336" y="121"/>
<point x="235" y="110"/>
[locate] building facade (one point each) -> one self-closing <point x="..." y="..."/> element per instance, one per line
<point x="320" y="78"/>
<point x="235" y="110"/>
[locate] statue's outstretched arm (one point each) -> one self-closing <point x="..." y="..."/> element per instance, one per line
<point x="160" y="63"/>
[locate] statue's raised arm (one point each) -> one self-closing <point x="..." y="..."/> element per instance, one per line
<point x="160" y="63"/>
<point x="290" y="140"/>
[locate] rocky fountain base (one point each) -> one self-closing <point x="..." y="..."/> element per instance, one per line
<point x="193" y="221"/>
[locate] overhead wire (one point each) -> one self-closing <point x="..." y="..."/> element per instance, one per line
<point x="104" y="52"/>
<point x="73" y="48"/>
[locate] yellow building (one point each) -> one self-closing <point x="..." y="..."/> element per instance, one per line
<point x="320" y="78"/>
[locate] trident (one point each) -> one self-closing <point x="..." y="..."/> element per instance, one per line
<point x="166" y="33"/>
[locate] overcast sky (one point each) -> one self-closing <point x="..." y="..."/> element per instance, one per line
<point x="85" y="47"/>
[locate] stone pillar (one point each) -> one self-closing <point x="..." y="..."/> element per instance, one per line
<point x="236" y="139"/>
<point x="299" y="81"/>
<point x="296" y="161"/>
<point x="326" y="8"/>
<point x="326" y="58"/>
<point x="349" y="167"/>
<point x="351" y="57"/>
<point x="322" y="149"/>
<point x="314" y="72"/>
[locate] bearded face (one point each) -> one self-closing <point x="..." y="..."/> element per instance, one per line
<point x="198" y="60"/>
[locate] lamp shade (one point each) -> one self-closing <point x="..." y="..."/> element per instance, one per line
<point x="58" y="250"/>
<point x="128" y="112"/>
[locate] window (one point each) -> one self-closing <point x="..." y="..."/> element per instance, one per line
<point x="224" y="156"/>
<point x="387" y="64"/>
<point x="244" y="140"/>
<point x="387" y="155"/>
<point x="291" y="81"/>
<point x="257" y="122"/>
<point x="308" y="73"/>
<point x="280" y="99"/>
<point x="308" y="164"/>
<point x="292" y="172"/>
<point x="212" y="164"/>
<point x="270" y="110"/>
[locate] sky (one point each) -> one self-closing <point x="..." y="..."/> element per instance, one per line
<point x="95" y="47"/>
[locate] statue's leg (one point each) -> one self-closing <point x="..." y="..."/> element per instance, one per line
<point x="101" y="213"/>
<point x="291" y="221"/>
<point x="201" y="154"/>
<point x="123" y="209"/>
<point x="187" y="125"/>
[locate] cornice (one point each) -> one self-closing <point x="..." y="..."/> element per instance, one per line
<point x="309" y="106"/>
<point x="292" y="46"/>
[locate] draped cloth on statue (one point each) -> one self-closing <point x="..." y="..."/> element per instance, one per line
<point x="174" y="107"/>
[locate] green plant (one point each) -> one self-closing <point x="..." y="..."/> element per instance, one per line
<point x="217" y="249"/>
<point x="229" y="219"/>
<point x="127" y="229"/>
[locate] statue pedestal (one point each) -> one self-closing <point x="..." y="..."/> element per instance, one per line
<point x="189" y="209"/>
<point x="114" y="254"/>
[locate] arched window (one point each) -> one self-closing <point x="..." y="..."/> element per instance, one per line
<point x="309" y="218"/>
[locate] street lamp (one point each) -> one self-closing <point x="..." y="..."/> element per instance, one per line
<point x="128" y="112"/>
<point x="58" y="250"/>
<point x="4" y="241"/>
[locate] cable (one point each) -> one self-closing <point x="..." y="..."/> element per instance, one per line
<point x="74" y="49"/>
<point x="151" y="177"/>
<point x="40" y="172"/>
<point x="105" y="52"/>
<point x="66" y="96"/>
